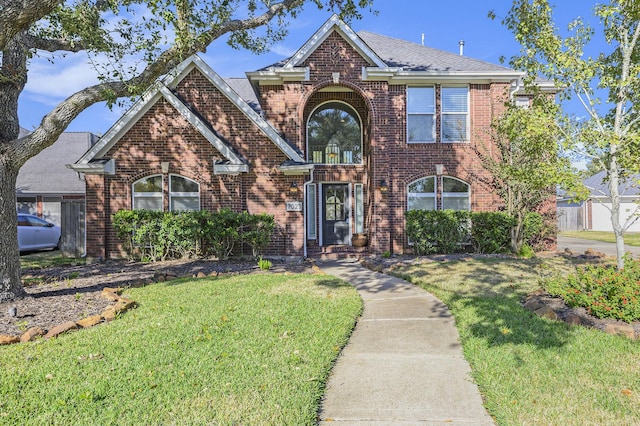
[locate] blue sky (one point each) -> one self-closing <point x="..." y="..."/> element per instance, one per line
<point x="443" y="24"/>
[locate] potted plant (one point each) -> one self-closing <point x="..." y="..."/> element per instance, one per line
<point x="359" y="239"/>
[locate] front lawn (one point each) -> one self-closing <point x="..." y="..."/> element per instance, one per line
<point x="531" y="370"/>
<point x="251" y="349"/>
<point x="630" y="238"/>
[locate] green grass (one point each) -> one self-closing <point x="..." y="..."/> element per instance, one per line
<point x="631" y="238"/>
<point x="45" y="259"/>
<point x="533" y="371"/>
<point x="252" y="349"/>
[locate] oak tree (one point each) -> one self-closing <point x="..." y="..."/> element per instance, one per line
<point x="132" y="43"/>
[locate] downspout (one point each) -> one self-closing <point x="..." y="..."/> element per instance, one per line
<point x="518" y="85"/>
<point x="304" y="211"/>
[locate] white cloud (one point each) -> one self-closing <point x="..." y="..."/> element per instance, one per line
<point x="282" y="50"/>
<point x="61" y="78"/>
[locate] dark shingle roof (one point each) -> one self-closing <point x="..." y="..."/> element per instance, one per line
<point x="243" y="87"/>
<point x="416" y="57"/>
<point x="599" y="186"/>
<point x="46" y="173"/>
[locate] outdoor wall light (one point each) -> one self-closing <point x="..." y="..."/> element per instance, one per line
<point x="165" y="166"/>
<point x="293" y="188"/>
<point x="384" y="187"/>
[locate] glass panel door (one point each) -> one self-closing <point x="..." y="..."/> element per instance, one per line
<point x="335" y="214"/>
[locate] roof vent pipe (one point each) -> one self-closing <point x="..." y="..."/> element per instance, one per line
<point x="423" y="39"/>
<point x="461" y="44"/>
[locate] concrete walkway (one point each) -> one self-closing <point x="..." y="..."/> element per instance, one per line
<point x="403" y="364"/>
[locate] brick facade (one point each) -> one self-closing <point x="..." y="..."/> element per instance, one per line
<point x="335" y="73"/>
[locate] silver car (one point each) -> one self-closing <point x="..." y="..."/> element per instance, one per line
<point x="36" y="234"/>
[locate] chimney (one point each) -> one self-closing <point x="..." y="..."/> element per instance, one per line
<point x="461" y="44"/>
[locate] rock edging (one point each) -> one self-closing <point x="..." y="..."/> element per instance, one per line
<point x="547" y="306"/>
<point x="121" y="305"/>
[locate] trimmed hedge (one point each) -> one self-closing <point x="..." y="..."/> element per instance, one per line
<point x="449" y="231"/>
<point x="154" y="235"/>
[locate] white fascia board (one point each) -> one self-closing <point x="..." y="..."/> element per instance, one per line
<point x="230" y="169"/>
<point x="296" y="170"/>
<point x="399" y="76"/>
<point x="321" y="35"/>
<point x="277" y="76"/>
<point x="260" y="122"/>
<point x="98" y="168"/>
<point x="196" y="122"/>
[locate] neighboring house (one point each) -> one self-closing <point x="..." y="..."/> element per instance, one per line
<point x="594" y="213"/>
<point x="44" y="182"/>
<point x="341" y="138"/>
<point x="47" y="188"/>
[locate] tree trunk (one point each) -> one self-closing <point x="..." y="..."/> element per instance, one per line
<point x="10" y="283"/>
<point x="618" y="231"/>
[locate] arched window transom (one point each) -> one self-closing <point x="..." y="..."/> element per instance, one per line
<point x="334" y="135"/>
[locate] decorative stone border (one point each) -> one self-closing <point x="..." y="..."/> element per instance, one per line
<point x="544" y="305"/>
<point x="122" y="304"/>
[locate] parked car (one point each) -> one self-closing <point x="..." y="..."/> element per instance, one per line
<point x="37" y="234"/>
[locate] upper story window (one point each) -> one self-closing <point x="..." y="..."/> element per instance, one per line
<point x="423" y="194"/>
<point x="148" y="194"/>
<point x="334" y="135"/>
<point x="455" y="114"/>
<point x="421" y="112"/>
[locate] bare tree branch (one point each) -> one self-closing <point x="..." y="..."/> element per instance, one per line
<point x="53" y="45"/>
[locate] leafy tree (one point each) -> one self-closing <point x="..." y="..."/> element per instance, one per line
<point x="527" y="165"/>
<point x="610" y="135"/>
<point x="132" y="43"/>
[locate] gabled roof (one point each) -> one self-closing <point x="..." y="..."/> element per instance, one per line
<point x="599" y="186"/>
<point x="93" y="162"/>
<point x="390" y="59"/>
<point x="46" y="173"/>
<point x="334" y="23"/>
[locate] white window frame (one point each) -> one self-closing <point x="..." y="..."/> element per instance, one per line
<point x="358" y="208"/>
<point x="432" y="113"/>
<point x="433" y="194"/>
<point x="443" y="113"/>
<point x="136" y="195"/>
<point x="439" y="182"/>
<point x="457" y="195"/>
<point x="312" y="211"/>
<point x="173" y="195"/>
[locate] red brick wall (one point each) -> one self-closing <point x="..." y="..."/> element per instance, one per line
<point x="163" y="135"/>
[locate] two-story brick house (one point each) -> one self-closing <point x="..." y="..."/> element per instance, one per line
<point x="341" y="138"/>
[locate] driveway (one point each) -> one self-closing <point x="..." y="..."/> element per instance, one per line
<point x="579" y="246"/>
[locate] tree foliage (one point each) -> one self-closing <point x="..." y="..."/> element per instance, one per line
<point x="527" y="166"/>
<point x="131" y="43"/>
<point x="609" y="135"/>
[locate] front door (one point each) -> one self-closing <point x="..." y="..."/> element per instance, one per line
<point x="335" y="214"/>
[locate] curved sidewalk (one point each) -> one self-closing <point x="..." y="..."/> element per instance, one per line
<point x="403" y="364"/>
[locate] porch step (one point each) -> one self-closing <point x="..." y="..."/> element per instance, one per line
<point x="337" y="252"/>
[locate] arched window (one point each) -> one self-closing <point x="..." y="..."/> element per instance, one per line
<point x="148" y="194"/>
<point x="422" y="194"/>
<point x="184" y="194"/>
<point x="334" y="135"/>
<point x="455" y="194"/>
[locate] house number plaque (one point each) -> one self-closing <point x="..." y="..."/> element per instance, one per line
<point x="294" y="206"/>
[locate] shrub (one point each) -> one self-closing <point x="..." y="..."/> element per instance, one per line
<point x="153" y="235"/>
<point x="437" y="231"/>
<point x="603" y="290"/>
<point x="490" y="232"/>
